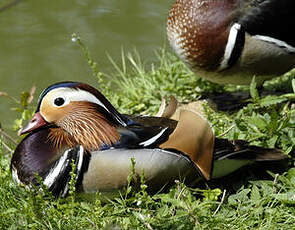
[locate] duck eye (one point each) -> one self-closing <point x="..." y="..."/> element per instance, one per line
<point x="59" y="101"/>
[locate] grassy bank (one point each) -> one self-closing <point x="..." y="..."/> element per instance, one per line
<point x="249" y="203"/>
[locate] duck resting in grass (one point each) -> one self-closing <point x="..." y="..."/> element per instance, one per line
<point x="74" y="122"/>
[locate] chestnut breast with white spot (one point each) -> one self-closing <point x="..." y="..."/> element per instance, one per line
<point x="198" y="30"/>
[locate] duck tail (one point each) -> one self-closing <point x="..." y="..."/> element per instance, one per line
<point x="267" y="154"/>
<point x="229" y="156"/>
<point x="239" y="149"/>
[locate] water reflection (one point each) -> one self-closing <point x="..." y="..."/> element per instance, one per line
<point x="36" y="47"/>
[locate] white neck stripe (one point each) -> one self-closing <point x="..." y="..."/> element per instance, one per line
<point x="231" y="42"/>
<point x="55" y="171"/>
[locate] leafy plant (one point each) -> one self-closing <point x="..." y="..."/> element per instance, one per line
<point x="22" y="106"/>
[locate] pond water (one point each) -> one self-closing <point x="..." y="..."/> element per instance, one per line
<point x="36" y="46"/>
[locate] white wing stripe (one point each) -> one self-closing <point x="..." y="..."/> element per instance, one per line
<point x="153" y="139"/>
<point x="277" y="42"/>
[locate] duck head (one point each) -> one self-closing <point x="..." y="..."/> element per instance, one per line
<point x="76" y="113"/>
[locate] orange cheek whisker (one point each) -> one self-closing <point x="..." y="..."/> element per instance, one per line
<point x="84" y="126"/>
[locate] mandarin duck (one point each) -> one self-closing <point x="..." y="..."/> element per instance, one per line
<point x="75" y="123"/>
<point x="230" y="41"/>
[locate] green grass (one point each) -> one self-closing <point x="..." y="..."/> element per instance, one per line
<point x="250" y="203"/>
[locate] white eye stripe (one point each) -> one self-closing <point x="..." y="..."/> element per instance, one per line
<point x="74" y="95"/>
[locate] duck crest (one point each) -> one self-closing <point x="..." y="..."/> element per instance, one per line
<point x="84" y="125"/>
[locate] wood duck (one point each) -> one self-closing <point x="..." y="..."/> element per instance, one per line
<point x="75" y="122"/>
<point x="230" y="41"/>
